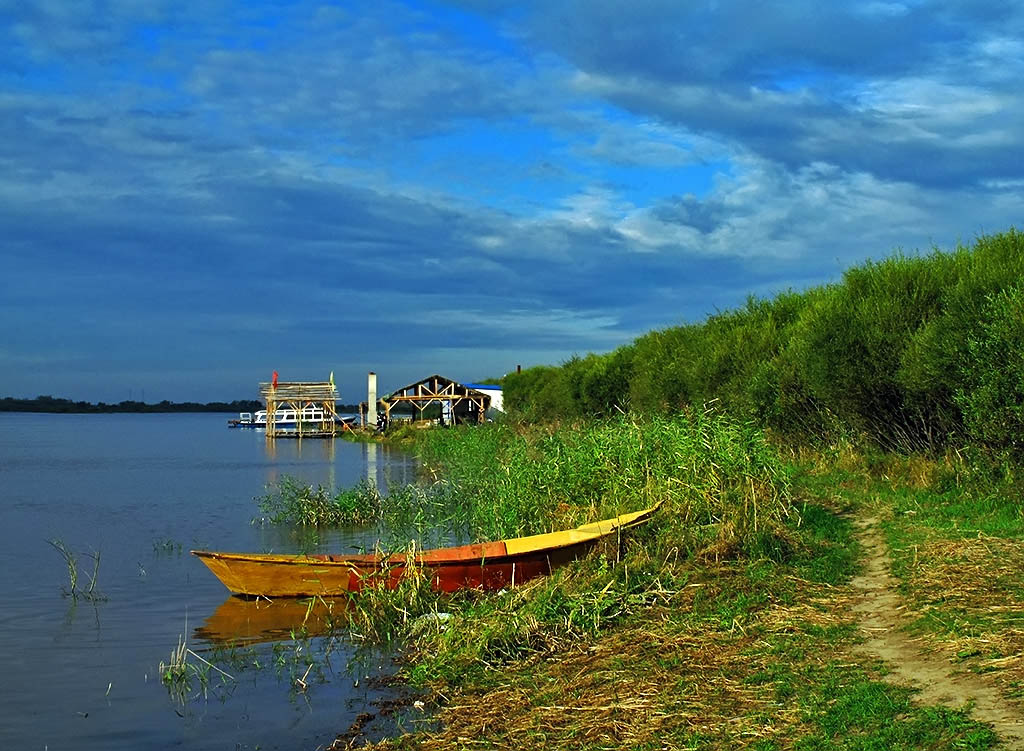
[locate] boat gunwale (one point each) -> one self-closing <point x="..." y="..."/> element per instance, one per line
<point x="459" y="555"/>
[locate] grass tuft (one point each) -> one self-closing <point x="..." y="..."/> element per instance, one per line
<point x="71" y="561"/>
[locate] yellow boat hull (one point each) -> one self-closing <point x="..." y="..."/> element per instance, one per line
<point x="489" y="565"/>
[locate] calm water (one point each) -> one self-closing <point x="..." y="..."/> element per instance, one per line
<point x="143" y="490"/>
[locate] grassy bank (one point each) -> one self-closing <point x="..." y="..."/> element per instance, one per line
<point x="954" y="528"/>
<point x="706" y="629"/>
<point x="894" y="395"/>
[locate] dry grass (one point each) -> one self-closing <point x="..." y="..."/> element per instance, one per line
<point x="973" y="592"/>
<point x="657" y="682"/>
<point x="621" y="705"/>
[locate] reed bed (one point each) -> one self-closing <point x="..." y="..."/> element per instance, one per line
<point x="723" y="489"/>
<point x="291" y="501"/>
<point x="724" y="494"/>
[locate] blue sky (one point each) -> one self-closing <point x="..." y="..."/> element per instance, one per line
<point x="193" y="195"/>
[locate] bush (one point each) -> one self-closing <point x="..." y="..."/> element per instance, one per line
<point x="889" y="356"/>
<point x="992" y="398"/>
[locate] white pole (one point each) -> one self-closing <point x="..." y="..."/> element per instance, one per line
<point x="371" y="399"/>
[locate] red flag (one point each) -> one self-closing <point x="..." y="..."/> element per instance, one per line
<point x="273" y="383"/>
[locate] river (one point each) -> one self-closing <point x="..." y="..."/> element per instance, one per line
<point x="141" y="491"/>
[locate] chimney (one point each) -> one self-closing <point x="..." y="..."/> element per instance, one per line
<point x="371" y="399"/>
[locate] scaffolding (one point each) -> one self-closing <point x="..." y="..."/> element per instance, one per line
<point x="310" y="403"/>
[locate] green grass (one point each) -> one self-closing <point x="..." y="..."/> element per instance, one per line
<point x="953" y="526"/>
<point x="291" y="501"/>
<point x="739" y="655"/>
<point x="852" y="711"/>
<point x="664" y="644"/>
<point x="722" y="487"/>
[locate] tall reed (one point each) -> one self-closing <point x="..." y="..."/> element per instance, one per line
<point x="291" y="501"/>
<point x="717" y="478"/>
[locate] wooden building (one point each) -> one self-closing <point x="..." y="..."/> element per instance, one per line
<point x="458" y="403"/>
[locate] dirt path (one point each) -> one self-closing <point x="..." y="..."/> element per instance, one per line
<point x="878" y="609"/>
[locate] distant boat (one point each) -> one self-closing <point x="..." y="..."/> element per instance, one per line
<point x="244" y="420"/>
<point x="489" y="565"/>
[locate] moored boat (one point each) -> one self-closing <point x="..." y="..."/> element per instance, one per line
<point x="244" y="420"/>
<point x="287" y="418"/>
<point x="488" y="565"/>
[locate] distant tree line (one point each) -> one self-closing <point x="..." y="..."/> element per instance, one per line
<point x="58" y="405"/>
<point x="914" y="352"/>
<point x="54" y="404"/>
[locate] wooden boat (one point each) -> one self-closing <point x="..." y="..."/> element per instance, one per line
<point x="488" y="565"/>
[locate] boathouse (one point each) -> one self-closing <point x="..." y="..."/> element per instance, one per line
<point x="458" y="403"/>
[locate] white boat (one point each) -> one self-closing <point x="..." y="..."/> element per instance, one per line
<point x="284" y="418"/>
<point x="244" y="420"/>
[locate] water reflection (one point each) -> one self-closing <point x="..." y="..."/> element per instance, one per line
<point x="251" y="621"/>
<point x="371" y="463"/>
<point x="383" y="465"/>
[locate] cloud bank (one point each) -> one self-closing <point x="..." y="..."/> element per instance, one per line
<point x="193" y="195"/>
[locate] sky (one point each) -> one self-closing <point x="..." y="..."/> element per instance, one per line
<point x="196" y="194"/>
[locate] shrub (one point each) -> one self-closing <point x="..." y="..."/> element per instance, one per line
<point x="992" y="398"/>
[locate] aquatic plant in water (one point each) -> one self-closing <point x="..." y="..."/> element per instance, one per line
<point x="177" y="674"/>
<point x="90" y="592"/>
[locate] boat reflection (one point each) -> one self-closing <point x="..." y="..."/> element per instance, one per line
<point x="241" y="620"/>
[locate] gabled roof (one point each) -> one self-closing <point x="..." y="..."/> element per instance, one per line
<point x="437" y="383"/>
<point x="437" y="388"/>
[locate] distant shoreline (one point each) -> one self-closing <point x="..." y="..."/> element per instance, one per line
<point x="55" y="405"/>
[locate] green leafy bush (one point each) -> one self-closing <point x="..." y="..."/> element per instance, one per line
<point x="992" y="398"/>
<point x="890" y="355"/>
